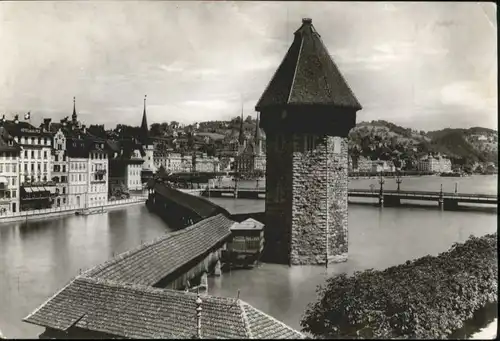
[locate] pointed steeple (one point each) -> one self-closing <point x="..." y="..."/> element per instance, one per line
<point x="241" y="137"/>
<point x="257" y="139"/>
<point x="144" y="125"/>
<point x="308" y="76"/>
<point x="74" y="118"/>
<point x="257" y="129"/>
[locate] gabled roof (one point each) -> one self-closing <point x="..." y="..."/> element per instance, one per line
<point x="151" y="262"/>
<point x="22" y="128"/>
<point x="308" y="76"/>
<point x="202" y="207"/>
<point x="248" y="224"/>
<point x="136" y="311"/>
<point x="5" y="138"/>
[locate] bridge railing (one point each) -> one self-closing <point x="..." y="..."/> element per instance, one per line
<point x="376" y="191"/>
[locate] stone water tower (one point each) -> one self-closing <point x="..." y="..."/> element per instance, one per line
<point x="307" y="111"/>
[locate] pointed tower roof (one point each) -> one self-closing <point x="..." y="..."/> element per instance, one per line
<point x="257" y="129"/>
<point x="308" y="76"/>
<point x="241" y="137"/>
<point x="74" y="117"/>
<point x="144" y="125"/>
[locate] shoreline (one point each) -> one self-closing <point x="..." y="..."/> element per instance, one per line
<point x="489" y="332"/>
<point x="52" y="213"/>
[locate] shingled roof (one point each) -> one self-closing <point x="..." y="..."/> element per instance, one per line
<point x="202" y="207"/>
<point x="136" y="311"/>
<point x="151" y="262"/>
<point x="308" y="76"/>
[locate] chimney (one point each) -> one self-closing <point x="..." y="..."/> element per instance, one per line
<point x="46" y="123"/>
<point x="198" y="316"/>
<point x="307" y="21"/>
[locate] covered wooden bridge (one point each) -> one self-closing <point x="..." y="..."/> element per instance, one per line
<point x="177" y="208"/>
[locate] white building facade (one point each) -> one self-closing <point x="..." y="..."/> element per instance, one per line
<point x="97" y="174"/>
<point x="60" y="169"/>
<point x="9" y="174"/>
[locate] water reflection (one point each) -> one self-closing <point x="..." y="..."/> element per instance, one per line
<point x="37" y="258"/>
<point x="377" y="239"/>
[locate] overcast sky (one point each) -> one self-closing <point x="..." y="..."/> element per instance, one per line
<point x="422" y="65"/>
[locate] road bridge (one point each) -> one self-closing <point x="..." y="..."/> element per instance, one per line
<point x="446" y="200"/>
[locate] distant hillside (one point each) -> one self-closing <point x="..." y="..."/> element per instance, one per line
<point x="385" y="140"/>
<point x="477" y="143"/>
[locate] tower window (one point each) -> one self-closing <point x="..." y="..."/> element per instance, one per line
<point x="309" y="142"/>
<point x="280" y="141"/>
<point x="337" y="145"/>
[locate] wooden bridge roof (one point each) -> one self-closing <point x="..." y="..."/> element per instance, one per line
<point x="151" y="262"/>
<point x="200" y="206"/>
<point x="136" y="311"/>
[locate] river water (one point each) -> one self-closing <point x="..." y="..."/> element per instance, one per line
<point x="38" y="258"/>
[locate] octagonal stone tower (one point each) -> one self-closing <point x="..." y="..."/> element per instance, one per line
<point x="307" y="111"/>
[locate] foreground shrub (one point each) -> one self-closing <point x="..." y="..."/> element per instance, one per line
<point x="426" y="298"/>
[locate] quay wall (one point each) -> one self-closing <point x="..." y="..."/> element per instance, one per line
<point x="67" y="210"/>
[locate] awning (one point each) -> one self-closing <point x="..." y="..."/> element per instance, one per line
<point x="52" y="190"/>
<point x="4" y="180"/>
<point x="28" y="189"/>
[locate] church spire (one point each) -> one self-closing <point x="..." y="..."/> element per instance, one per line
<point x="257" y="129"/>
<point x="144" y="124"/>
<point x="74" y="117"/>
<point x="257" y="139"/>
<point x="241" y="137"/>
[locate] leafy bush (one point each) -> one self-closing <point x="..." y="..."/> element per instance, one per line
<point x="426" y="298"/>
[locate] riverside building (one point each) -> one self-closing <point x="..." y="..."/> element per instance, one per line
<point x="60" y="171"/>
<point x="125" y="165"/>
<point x="37" y="190"/>
<point x="9" y="173"/>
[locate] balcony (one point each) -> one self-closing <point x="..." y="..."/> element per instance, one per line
<point x="100" y="172"/>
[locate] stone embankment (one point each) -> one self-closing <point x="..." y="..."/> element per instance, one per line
<point x="67" y="210"/>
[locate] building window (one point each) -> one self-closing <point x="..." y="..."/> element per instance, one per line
<point x="14" y="168"/>
<point x="39" y="154"/>
<point x="25" y="154"/>
<point x="32" y="154"/>
<point x="14" y="180"/>
<point x="44" y="167"/>
<point x="32" y="167"/>
<point x="44" y="154"/>
<point x="64" y="168"/>
<point x="25" y="167"/>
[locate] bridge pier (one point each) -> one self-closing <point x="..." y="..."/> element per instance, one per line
<point x="381" y="200"/>
<point x="218" y="268"/>
<point x="450" y="204"/>
<point x="391" y="201"/>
